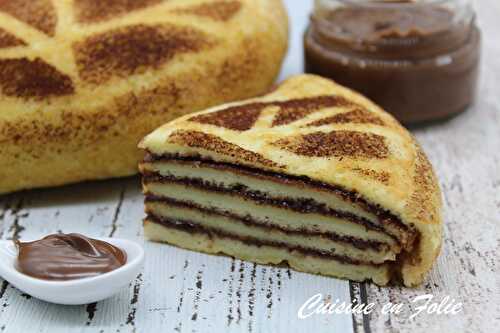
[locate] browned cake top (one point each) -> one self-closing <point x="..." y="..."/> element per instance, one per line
<point x="91" y="11"/>
<point x="357" y="116"/>
<point x="84" y="43"/>
<point x="336" y="143"/>
<point x="217" y="10"/>
<point x="32" y="78"/>
<point x="123" y="51"/>
<point x="40" y="14"/>
<point x="9" y="40"/>
<point x="194" y="139"/>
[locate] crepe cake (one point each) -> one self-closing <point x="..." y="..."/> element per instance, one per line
<point x="83" y="81"/>
<point x="312" y="174"/>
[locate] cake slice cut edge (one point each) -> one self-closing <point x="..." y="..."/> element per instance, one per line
<point x="351" y="199"/>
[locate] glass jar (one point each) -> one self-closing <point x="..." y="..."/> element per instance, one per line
<point x="419" y="60"/>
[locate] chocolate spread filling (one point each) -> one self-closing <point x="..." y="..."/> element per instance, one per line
<point x="251" y="222"/>
<point x="302" y="205"/>
<point x="385" y="217"/>
<point x="193" y="228"/>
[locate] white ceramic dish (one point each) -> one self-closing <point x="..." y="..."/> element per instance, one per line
<point x="73" y="292"/>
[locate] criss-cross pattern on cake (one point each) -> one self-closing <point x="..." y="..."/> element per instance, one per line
<point x="51" y="48"/>
<point x="323" y="126"/>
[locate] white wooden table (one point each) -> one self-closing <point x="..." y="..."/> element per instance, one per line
<point x="182" y="291"/>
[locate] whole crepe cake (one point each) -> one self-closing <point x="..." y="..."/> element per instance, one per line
<point x="82" y="81"/>
<point x="311" y="174"/>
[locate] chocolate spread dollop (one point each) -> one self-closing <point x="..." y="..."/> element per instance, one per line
<point x="68" y="257"/>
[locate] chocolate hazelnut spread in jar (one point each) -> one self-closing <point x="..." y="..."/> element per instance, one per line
<point x="419" y="60"/>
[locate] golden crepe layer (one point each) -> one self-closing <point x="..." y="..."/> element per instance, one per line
<point x="311" y="174"/>
<point x="82" y="81"/>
